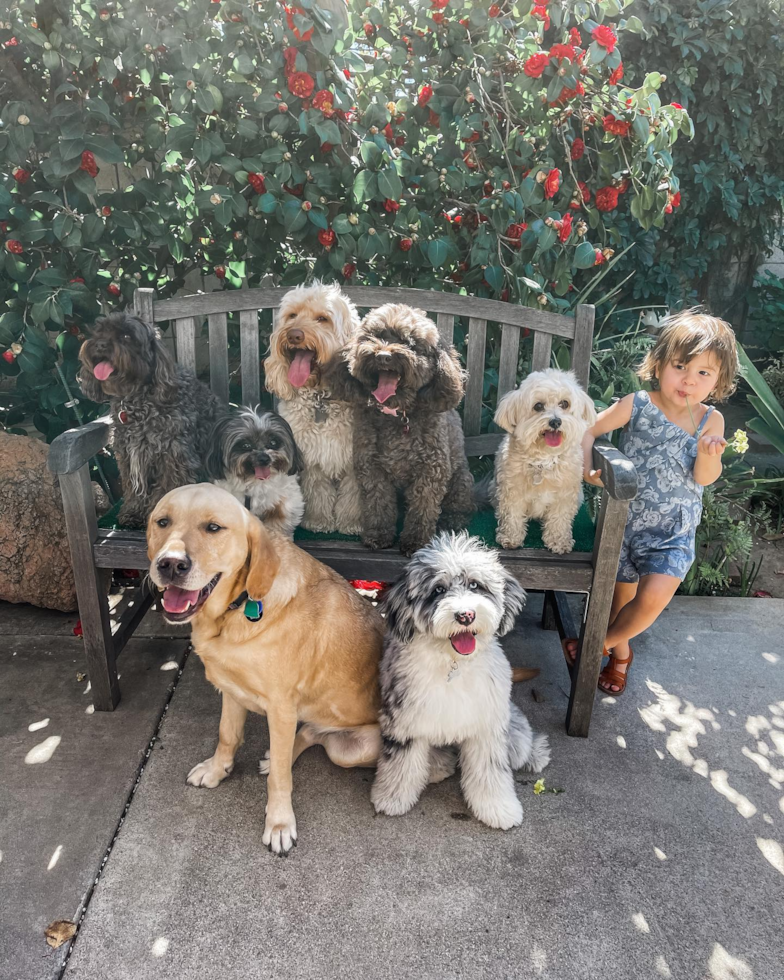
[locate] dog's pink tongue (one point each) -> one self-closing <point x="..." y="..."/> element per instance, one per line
<point x="553" y="438"/>
<point x="387" y="386"/>
<point x="262" y="472"/>
<point x="103" y="370"/>
<point x="177" y="600"/>
<point x="464" y="643"/>
<point x="299" y="369"/>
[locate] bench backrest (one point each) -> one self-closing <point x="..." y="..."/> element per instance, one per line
<point x="186" y="312"/>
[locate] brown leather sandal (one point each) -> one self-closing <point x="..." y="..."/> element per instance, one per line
<point x="573" y="639"/>
<point x="612" y="676"/>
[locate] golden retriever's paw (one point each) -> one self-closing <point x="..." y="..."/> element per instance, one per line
<point x="208" y="774"/>
<point x="280" y="833"/>
<point x="264" y="764"/>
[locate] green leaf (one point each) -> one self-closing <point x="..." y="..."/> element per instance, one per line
<point x="437" y="252"/>
<point x="267" y="203"/>
<point x="92" y="228"/>
<point x="104" y="148"/>
<point x="584" y="256"/>
<point x="494" y="276"/>
<point x="365" y="186"/>
<point x="389" y="184"/>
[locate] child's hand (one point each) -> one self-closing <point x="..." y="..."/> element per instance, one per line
<point x="711" y="445"/>
<point x="593" y="477"/>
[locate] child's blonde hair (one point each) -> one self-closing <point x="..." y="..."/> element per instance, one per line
<point x="686" y="334"/>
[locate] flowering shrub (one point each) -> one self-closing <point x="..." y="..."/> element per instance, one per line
<point x="449" y="146"/>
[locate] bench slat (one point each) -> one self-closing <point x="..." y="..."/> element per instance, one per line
<point x="485" y="445"/>
<point x="543" y="343"/>
<point x="510" y="351"/>
<point x="432" y="301"/>
<point x="446" y="327"/>
<point x="249" y="353"/>
<point x="219" y="356"/>
<point x="472" y="412"/>
<point x="582" y="345"/>
<point x="185" y="332"/>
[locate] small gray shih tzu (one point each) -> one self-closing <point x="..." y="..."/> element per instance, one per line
<point x="253" y="455"/>
<point x="162" y="413"/>
<point x="445" y="681"/>
<point x="539" y="465"/>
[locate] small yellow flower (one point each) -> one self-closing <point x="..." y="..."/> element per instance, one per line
<point x="539" y="786"/>
<point x="740" y="442"/>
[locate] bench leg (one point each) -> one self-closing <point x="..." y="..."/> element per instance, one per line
<point x="91" y="588"/>
<point x="606" y="553"/>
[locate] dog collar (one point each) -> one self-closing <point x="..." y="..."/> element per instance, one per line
<point x="253" y="608"/>
<point x="393" y="412"/>
<point x="122" y="416"/>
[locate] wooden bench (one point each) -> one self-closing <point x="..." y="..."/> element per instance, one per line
<point x="95" y="552"/>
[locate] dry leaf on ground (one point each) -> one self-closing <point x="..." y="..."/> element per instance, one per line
<point x="59" y="932"/>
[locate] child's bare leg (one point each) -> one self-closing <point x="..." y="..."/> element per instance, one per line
<point x="643" y="605"/>
<point x="624" y="593"/>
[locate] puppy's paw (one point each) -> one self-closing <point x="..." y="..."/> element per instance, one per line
<point x="264" y="764"/>
<point x="505" y="541"/>
<point x="559" y="544"/>
<point x="208" y="774"/>
<point x="502" y="814"/>
<point x="378" y="539"/>
<point x="409" y="543"/>
<point x="392" y="806"/>
<point x="280" y="832"/>
<point x="540" y="754"/>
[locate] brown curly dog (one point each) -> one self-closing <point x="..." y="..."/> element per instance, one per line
<point x="405" y="385"/>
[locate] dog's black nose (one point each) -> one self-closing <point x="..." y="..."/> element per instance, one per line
<point x="172" y="568"/>
<point x="263" y="459"/>
<point x="295" y="336"/>
<point x="555" y="423"/>
<point x="466" y="617"/>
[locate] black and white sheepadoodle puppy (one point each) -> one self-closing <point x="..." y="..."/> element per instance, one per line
<point x="445" y="682"/>
<point x="254" y="456"/>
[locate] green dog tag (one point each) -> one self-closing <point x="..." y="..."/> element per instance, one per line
<point x="253" y="610"/>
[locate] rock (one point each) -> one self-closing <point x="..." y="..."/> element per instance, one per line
<point x="35" y="561"/>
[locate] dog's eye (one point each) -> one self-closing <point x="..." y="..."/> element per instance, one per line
<point x="439" y="590"/>
<point x="539" y="407"/>
<point x="564" y="404"/>
<point x="321" y="319"/>
<point x="274" y="443"/>
<point x="163" y="522"/>
<point x="292" y="315"/>
<point x="473" y="586"/>
<point x="213" y="528"/>
<point x="244" y="446"/>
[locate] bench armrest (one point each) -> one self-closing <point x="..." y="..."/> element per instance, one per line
<point x="618" y="473"/>
<point x="72" y="449"/>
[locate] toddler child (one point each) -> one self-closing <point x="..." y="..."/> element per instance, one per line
<point x="675" y="442"/>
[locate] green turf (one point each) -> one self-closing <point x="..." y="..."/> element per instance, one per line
<point x="483" y="526"/>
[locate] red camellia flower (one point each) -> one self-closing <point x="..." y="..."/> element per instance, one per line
<point x="405" y="244"/>
<point x="289" y="59"/>
<point x="21" y="176"/>
<point x="439" y="4"/>
<point x="326" y="147"/>
<point x="400" y="140"/>
<point x="14" y="247"/>
<point x="8" y="356"/>
<point x="77" y="279"/>
<point x="438" y="18"/>
<point x="256" y="181"/>
<point x="536" y="64"/>
<point x="676" y="105"/>
<point x="434" y="119"/>
<point x="578" y="148"/>
<point x="607" y="198"/>
<point x="566" y="228"/>
<point x="618" y="127"/>
<point x="425" y="94"/>
<point x="585" y="191"/>
<point x="388" y="131"/>
<point x="616" y="76"/>
<point x="3" y="227"/>
<point x="348" y="270"/>
<point x="324" y="100"/>
<point x="368" y="29"/>
<point x="11" y="43"/>
<point x="574" y="37"/>
<point x="605" y="37"/>
<point x="494" y="10"/>
<point x="327" y="237"/>
<point x="561" y="51"/>
<point x="569" y="93"/>
<point x="391" y="206"/>
<point x="676" y="200"/>
<point x="514" y="232"/>
<point x="106" y="210"/>
<point x="220" y="271"/>
<point x="540" y="12"/>
<point x="290" y="11"/>
<point x="88" y="164"/>
<point x="301" y="84"/>
<point x="113" y="289"/>
<point x="552" y="183"/>
<point x="599" y="257"/>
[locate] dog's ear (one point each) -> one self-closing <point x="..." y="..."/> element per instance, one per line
<point x="341" y="383"/>
<point x="276" y="376"/>
<point x="514" y="600"/>
<point x="263" y="561"/>
<point x="297" y="459"/>
<point x="586" y="408"/>
<point x="298" y="463"/>
<point x="214" y="461"/>
<point x="344" y="316"/>
<point x="164" y="370"/>
<point x="398" y="610"/>
<point x="507" y="415"/>
<point x="447" y="386"/>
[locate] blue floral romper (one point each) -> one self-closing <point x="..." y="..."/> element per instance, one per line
<point x="663" y="517"/>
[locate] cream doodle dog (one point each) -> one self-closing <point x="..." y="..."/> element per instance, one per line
<point x="539" y="465"/>
<point x="313" y="323"/>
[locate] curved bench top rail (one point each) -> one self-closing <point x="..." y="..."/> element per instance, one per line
<point x="432" y="301"/>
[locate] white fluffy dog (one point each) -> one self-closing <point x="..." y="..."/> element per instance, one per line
<point x="539" y="465"/>
<point x="445" y="681"/>
<point x="313" y="324"/>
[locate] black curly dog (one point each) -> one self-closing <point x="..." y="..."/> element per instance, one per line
<point x="162" y="413"/>
<point x="405" y="385"/>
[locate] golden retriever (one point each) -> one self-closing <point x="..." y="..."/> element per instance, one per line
<point x="311" y="657"/>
